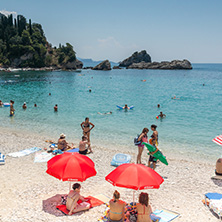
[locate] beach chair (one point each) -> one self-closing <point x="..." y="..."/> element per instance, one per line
<point x="215" y="203"/>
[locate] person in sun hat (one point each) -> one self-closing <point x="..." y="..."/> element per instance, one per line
<point x="62" y="144"/>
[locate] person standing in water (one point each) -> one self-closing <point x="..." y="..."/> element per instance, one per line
<point x="86" y="130"/>
<point x="126" y="107"/>
<point x="24" y="105"/>
<point x="56" y="108"/>
<point x="12" y="110"/>
<point x="143" y="138"/>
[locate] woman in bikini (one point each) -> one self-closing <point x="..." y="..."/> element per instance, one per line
<point x="143" y="138"/>
<point x="12" y="110"/>
<point x="117" y="206"/>
<point x="73" y="197"/>
<point x="86" y="129"/>
<point x="143" y="208"/>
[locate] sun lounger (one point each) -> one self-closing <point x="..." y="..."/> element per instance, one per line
<point x="165" y="215"/>
<point x="2" y="159"/>
<point x="215" y="202"/>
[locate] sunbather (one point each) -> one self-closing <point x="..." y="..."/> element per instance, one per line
<point x="73" y="197"/>
<point x="117" y="206"/>
<point x="62" y="144"/>
<point x="143" y="208"/>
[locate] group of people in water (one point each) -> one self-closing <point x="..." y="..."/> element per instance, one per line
<point x="117" y="206"/>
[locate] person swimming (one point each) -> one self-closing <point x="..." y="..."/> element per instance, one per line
<point x="24" y="105"/>
<point x="107" y="113"/>
<point x="161" y="115"/>
<point x="126" y="107"/>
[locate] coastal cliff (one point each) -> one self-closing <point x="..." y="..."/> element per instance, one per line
<point x="24" y="45"/>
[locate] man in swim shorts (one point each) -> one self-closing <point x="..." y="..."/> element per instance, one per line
<point x="82" y="146"/>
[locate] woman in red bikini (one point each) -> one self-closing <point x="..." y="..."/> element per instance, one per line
<point x="143" y="208"/>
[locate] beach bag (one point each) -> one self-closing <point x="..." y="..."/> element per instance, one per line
<point x="136" y="141"/>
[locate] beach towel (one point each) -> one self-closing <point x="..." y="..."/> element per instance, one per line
<point x="165" y="215"/>
<point x="216" y="206"/>
<point x="94" y="202"/>
<point x="24" y="152"/>
<point x="2" y="159"/>
<point x="42" y="157"/>
<point x="75" y="150"/>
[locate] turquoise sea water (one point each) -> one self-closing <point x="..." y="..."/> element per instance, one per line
<point x="188" y="129"/>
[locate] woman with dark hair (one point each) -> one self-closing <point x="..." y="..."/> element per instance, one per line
<point x="86" y="130"/>
<point x="73" y="197"/>
<point x="143" y="208"/>
<point x="153" y="142"/>
<point x="143" y="138"/>
<point x="117" y="206"/>
<point x="12" y="110"/>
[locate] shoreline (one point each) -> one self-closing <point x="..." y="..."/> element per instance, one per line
<point x="28" y="184"/>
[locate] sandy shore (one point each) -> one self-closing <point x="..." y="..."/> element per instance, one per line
<point x="25" y="184"/>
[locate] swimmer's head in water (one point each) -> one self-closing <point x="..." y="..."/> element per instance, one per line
<point x="125" y="106"/>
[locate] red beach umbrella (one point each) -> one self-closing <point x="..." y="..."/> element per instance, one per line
<point x="71" y="167"/>
<point x="134" y="176"/>
<point x="218" y="140"/>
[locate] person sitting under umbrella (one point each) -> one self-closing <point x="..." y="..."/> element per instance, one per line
<point x="73" y="197"/>
<point x="117" y="207"/>
<point x="143" y="208"/>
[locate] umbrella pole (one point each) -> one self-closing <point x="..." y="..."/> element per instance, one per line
<point x="69" y="185"/>
<point x="133" y="196"/>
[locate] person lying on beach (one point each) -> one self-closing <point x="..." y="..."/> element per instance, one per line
<point x="73" y="197"/>
<point x="105" y="113"/>
<point x="24" y="105"/>
<point x="161" y="115"/>
<point x="62" y="144"/>
<point x="143" y="208"/>
<point x="82" y="146"/>
<point x="117" y="207"/>
<point x="86" y="128"/>
<point x="1" y="103"/>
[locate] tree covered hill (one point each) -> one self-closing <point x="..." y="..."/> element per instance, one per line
<point x="24" y="44"/>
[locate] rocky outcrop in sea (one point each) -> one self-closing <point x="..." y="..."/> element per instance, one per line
<point x="175" y="64"/>
<point x="136" y="57"/>
<point x="105" y="65"/>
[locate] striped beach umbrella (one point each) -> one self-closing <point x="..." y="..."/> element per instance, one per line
<point x="218" y="140"/>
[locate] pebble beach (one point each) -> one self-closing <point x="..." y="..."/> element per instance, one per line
<point x="25" y="184"/>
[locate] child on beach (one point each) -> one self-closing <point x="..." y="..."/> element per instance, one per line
<point x="82" y="146"/>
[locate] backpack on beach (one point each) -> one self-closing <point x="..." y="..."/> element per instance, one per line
<point x="136" y="141"/>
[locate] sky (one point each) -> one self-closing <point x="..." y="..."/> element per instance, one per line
<point x="115" y="29"/>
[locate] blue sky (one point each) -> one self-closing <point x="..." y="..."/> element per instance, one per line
<point x="102" y="29"/>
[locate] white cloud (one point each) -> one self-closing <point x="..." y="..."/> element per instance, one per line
<point x="6" y="13"/>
